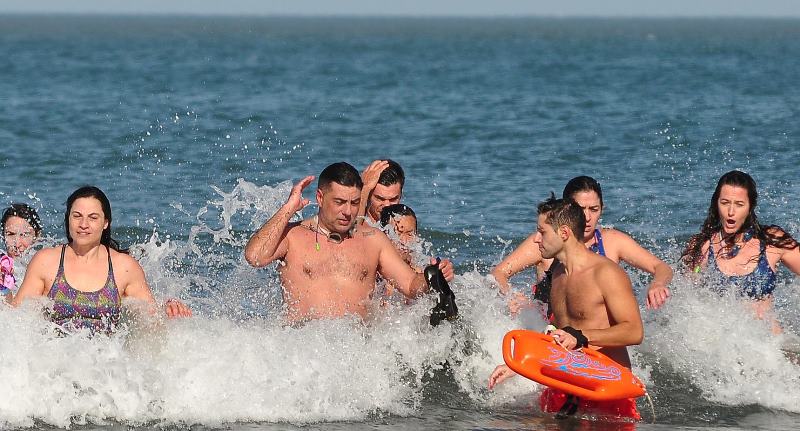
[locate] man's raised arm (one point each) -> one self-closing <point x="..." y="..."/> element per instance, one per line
<point x="370" y="178"/>
<point x="269" y="242"/>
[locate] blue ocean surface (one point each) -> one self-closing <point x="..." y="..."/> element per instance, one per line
<point x="196" y="127"/>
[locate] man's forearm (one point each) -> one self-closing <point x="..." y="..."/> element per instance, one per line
<point x="362" y="207"/>
<point x="261" y="247"/>
<point x="621" y="334"/>
<point x="416" y="287"/>
<point x="502" y="280"/>
<point x="663" y="275"/>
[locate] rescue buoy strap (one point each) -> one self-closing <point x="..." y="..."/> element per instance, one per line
<point x="582" y="340"/>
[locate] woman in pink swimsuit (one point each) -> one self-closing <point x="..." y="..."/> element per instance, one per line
<point x="21" y="228"/>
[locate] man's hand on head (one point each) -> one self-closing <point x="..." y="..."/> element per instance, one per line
<point x="372" y="174"/>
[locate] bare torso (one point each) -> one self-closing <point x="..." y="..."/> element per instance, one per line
<point x="332" y="281"/>
<point x="578" y="301"/>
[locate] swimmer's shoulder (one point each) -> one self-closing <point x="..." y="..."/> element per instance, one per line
<point x="307" y="224"/>
<point x="780" y="234"/>
<point x="370" y="233"/>
<point x="606" y="268"/>
<point x="124" y="262"/>
<point x="300" y="227"/>
<point x="612" y="235"/>
<point x="618" y="244"/>
<point x="372" y="238"/>
<point x="785" y="244"/>
<point x="775" y="230"/>
<point x="45" y="260"/>
<point x="48" y="254"/>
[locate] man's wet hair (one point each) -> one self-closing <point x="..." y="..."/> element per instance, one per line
<point x="563" y="212"/>
<point x="341" y="173"/>
<point x="582" y="184"/>
<point x="396" y="210"/>
<point x="393" y="174"/>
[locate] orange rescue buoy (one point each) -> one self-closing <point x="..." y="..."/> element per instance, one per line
<point x="585" y="373"/>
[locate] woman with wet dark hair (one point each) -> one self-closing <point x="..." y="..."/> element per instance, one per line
<point x="733" y="250"/>
<point x="404" y="222"/>
<point x="21" y="228"/>
<point x="611" y="243"/>
<point x="71" y="273"/>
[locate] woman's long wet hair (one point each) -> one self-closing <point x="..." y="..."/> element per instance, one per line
<point x="93" y="192"/>
<point x="769" y="235"/>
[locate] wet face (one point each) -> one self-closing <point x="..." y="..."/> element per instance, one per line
<point x="87" y="221"/>
<point x="405" y="227"/>
<point x="338" y="207"/>
<point x="733" y="206"/>
<point x="383" y="196"/>
<point x="548" y="239"/>
<point x="19" y="235"/>
<point x="592" y="210"/>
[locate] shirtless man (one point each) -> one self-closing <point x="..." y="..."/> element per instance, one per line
<point x="327" y="267"/>
<point x="383" y="186"/>
<point x="592" y="300"/>
<point x="611" y="243"/>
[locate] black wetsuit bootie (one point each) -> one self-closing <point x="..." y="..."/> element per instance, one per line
<point x="446" y="305"/>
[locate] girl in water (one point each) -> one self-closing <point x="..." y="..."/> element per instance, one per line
<point x="21" y="228"/>
<point x="607" y="242"/>
<point x="88" y="277"/>
<point x="404" y="221"/>
<point x="737" y="252"/>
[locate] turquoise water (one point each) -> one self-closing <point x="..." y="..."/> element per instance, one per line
<point x="196" y="126"/>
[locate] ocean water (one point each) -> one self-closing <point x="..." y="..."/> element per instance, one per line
<point x="197" y="127"/>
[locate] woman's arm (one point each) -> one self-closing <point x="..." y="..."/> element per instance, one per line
<point x="637" y="256"/>
<point x="524" y="256"/>
<point x="36" y="276"/>
<point x="133" y="284"/>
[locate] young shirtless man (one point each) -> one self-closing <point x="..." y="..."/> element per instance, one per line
<point x="383" y="186"/>
<point x="592" y="303"/>
<point x="611" y="243"/>
<point x="327" y="267"/>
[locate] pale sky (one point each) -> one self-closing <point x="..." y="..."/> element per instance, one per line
<point x="661" y="8"/>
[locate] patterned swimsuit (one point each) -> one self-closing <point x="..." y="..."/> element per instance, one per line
<point x="73" y="310"/>
<point x="757" y="284"/>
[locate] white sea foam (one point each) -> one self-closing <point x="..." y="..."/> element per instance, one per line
<point x="716" y="342"/>
<point x="229" y="363"/>
<point x="214" y="370"/>
<point x="236" y="361"/>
